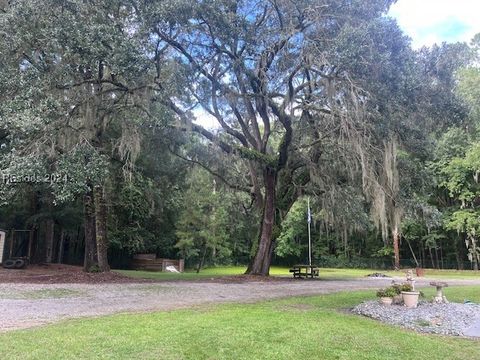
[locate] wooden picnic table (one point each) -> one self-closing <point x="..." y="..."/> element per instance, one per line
<point x="304" y="271"/>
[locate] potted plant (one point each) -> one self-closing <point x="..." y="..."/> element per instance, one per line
<point x="386" y="295"/>
<point x="409" y="296"/>
<point x="402" y="287"/>
<point x="398" y="298"/>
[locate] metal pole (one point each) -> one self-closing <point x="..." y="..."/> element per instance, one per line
<point x="309" y="234"/>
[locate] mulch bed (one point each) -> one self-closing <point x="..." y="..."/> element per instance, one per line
<point x="69" y="274"/>
<point x="61" y="274"/>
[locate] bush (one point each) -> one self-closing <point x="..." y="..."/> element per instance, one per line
<point x="402" y="287"/>
<point x="388" y="292"/>
<point x="394" y="290"/>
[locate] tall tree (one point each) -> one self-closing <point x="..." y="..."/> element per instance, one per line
<point x="269" y="72"/>
<point x="75" y="70"/>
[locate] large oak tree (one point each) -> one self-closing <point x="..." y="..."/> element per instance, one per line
<point x="284" y="80"/>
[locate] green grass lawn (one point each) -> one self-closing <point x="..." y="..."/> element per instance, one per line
<point x="325" y="273"/>
<point x="295" y="328"/>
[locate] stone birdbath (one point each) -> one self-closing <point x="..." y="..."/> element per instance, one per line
<point x="439" y="297"/>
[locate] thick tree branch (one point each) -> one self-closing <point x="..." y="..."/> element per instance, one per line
<point x="209" y="170"/>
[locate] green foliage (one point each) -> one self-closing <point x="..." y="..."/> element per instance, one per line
<point x="453" y="143"/>
<point x="431" y="239"/>
<point x="460" y="177"/>
<point x="398" y="288"/>
<point x="255" y="155"/>
<point x="385" y="251"/>
<point x="468" y="89"/>
<point x="86" y="94"/>
<point x="293" y="239"/>
<point x="467" y="221"/>
<point x="394" y="290"/>
<point x="84" y="167"/>
<point x="211" y="227"/>
<point x="388" y="292"/>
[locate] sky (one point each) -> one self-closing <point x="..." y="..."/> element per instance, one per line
<point x="426" y="22"/>
<point x="434" y="21"/>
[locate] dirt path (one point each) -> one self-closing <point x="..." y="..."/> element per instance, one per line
<point x="28" y="305"/>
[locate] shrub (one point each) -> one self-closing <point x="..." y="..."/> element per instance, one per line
<point x="388" y="292"/>
<point x="402" y="287"/>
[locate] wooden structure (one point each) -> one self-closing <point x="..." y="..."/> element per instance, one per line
<point x="19" y="248"/>
<point x="150" y="262"/>
<point x="304" y="271"/>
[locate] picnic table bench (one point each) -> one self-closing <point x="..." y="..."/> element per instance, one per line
<point x="304" y="271"/>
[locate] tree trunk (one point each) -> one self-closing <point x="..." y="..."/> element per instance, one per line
<point x="396" y="247"/>
<point x="49" y="237"/>
<point x="260" y="264"/>
<point x="61" y="247"/>
<point x="202" y="258"/>
<point x="33" y="226"/>
<point x="459" y="262"/>
<point x="90" y="259"/>
<point x="474" y="254"/>
<point x="431" y="257"/>
<point x="417" y="264"/>
<point x="459" y="245"/>
<point x="422" y="249"/>
<point x="440" y="248"/>
<point x="101" y="228"/>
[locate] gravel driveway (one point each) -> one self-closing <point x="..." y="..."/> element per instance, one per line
<point x="28" y="305"/>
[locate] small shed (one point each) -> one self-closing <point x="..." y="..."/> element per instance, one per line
<point x="150" y="262"/>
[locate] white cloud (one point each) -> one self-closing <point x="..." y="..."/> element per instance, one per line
<point x="433" y="21"/>
<point x="204" y="119"/>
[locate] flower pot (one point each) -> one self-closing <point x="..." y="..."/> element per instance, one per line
<point x="420" y="272"/>
<point x="410" y="298"/>
<point x="386" y="300"/>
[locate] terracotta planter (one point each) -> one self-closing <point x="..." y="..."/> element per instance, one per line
<point x="410" y="298"/>
<point x="420" y="272"/>
<point x="386" y="300"/>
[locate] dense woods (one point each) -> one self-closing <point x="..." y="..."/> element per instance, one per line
<point x="107" y="147"/>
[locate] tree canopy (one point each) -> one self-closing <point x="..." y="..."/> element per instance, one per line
<point x="104" y="109"/>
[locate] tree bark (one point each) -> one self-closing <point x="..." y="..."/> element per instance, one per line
<point x="459" y="245"/>
<point x="61" y="247"/>
<point x="202" y="258"/>
<point x="33" y="226"/>
<point x="101" y="228"/>
<point x="90" y="259"/>
<point x="422" y="249"/>
<point x="49" y="239"/>
<point x="474" y="254"/>
<point x="431" y="257"/>
<point x="442" y="265"/>
<point x="260" y="264"/>
<point x="396" y="247"/>
<point x="417" y="264"/>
